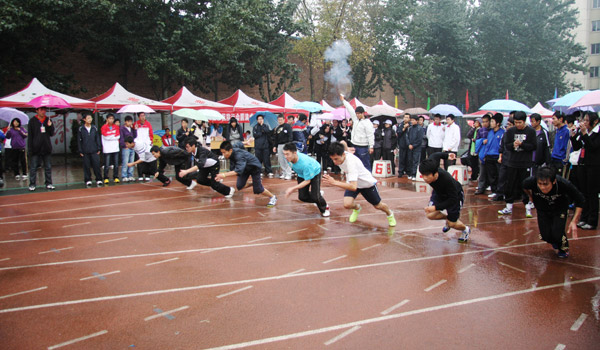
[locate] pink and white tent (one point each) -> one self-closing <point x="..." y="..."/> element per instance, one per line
<point x="288" y="102"/>
<point x="117" y="97"/>
<point x="185" y="99"/>
<point x="35" y="89"/>
<point x="382" y="108"/>
<point x="355" y="103"/>
<point x="539" y="109"/>
<point x="326" y="106"/>
<point x="244" y="106"/>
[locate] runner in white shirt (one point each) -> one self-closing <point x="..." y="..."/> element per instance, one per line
<point x="358" y="180"/>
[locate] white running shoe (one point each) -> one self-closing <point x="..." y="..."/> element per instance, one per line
<point x="270" y="175"/>
<point x="231" y="192"/>
<point x="288" y="177"/>
<point x="192" y="185"/>
<point x="505" y="211"/>
<point x="464" y="236"/>
<point x="140" y="179"/>
<point x="272" y="202"/>
<point x="88" y="184"/>
<point x="326" y="213"/>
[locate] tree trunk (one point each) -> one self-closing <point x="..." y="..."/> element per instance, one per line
<point x="311" y="80"/>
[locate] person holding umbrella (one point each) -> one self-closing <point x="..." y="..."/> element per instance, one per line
<point x="39" y="147"/>
<point x="17" y="135"/>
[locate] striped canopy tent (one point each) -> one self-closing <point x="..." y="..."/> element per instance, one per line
<point x="244" y="106"/>
<point x="185" y="99"/>
<point x="288" y="102"/>
<point x="35" y="88"/>
<point x="326" y="106"/>
<point x="117" y="97"/>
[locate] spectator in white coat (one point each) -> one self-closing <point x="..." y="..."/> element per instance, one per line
<point x="451" y="139"/>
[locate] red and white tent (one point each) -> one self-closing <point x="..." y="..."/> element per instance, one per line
<point x="117" y="97"/>
<point x="185" y="99"/>
<point x="355" y="103"/>
<point x="35" y="89"/>
<point x="244" y="106"/>
<point x="326" y="106"/>
<point x="539" y="109"/>
<point x="382" y="108"/>
<point x="288" y="102"/>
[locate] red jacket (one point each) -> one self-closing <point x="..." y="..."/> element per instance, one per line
<point x="147" y="125"/>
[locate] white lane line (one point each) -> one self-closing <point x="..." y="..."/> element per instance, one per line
<point x="121" y="218"/>
<point x="55" y="250"/>
<point x="99" y="275"/>
<point x="162" y="261"/>
<point x="370" y="247"/>
<point x="4" y="259"/>
<point x="435" y="285"/>
<point x="560" y="347"/>
<point x="334" y="339"/>
<point x="27" y="291"/>
<point x="260" y="239"/>
<point x="490" y="254"/>
<point x="393" y="316"/>
<point x="397" y="240"/>
<point x="77" y="340"/>
<point x="261" y="214"/>
<point x="334" y="259"/>
<point x="465" y="268"/>
<point x="402" y="303"/>
<point x="208" y="250"/>
<point x="157" y="232"/>
<point x="511" y="242"/>
<point x="23" y="232"/>
<point x="166" y="313"/>
<point x="323" y="227"/>
<point x="578" y="322"/>
<point x="527" y="232"/>
<point x="240" y="218"/>
<point x="112" y="240"/>
<point x="293" y="272"/>
<point x="303" y="229"/>
<point x="511" y="267"/>
<point x="233" y="292"/>
<point x="81" y="223"/>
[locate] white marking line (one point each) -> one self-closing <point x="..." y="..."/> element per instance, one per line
<point x="293" y="272"/>
<point x="77" y="340"/>
<point x="323" y="227"/>
<point x="579" y="322"/>
<point x="261" y="214"/>
<point x="207" y="251"/>
<point x="260" y="239"/>
<point x="334" y="259"/>
<point x="560" y="347"/>
<point x="23" y="232"/>
<point x="490" y="254"/>
<point x="402" y="303"/>
<point x="157" y="232"/>
<point x="233" y="292"/>
<point x="334" y="339"/>
<point x="240" y="218"/>
<point x="81" y="223"/>
<point x="373" y="246"/>
<point x="121" y="218"/>
<point x="4" y="259"/>
<point x="300" y="230"/>
<point x="431" y="287"/>
<point x="511" y="242"/>
<point x="99" y="275"/>
<point x="55" y="250"/>
<point x="27" y="291"/>
<point x="465" y="268"/>
<point x="166" y="313"/>
<point x="162" y="261"/>
<point x="402" y="243"/>
<point x="112" y="240"/>
<point x="528" y="232"/>
<point x="511" y="267"/>
<point x="394" y="316"/>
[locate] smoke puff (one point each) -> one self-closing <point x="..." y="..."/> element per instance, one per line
<point x="339" y="74"/>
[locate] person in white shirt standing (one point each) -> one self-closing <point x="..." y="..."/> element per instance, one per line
<point x="435" y="136"/>
<point x="110" y="147"/>
<point x="358" y="180"/>
<point x="451" y="139"/>
<point x="363" y="134"/>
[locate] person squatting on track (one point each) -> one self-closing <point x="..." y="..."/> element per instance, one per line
<point x="447" y="195"/>
<point x="358" y="180"/>
<point x="244" y="165"/>
<point x="146" y="161"/>
<point x="205" y="167"/>
<point x="551" y="195"/>
<point x="309" y="178"/>
<point x="172" y="155"/>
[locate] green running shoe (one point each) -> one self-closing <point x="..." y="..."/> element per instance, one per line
<point x="354" y="215"/>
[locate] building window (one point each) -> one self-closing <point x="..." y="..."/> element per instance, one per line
<point x="594" y="72"/>
<point x="595" y="48"/>
<point x="595" y="4"/>
<point x="596" y="26"/>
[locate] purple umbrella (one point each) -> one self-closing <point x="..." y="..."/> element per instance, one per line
<point x="8" y="114"/>
<point x="49" y="101"/>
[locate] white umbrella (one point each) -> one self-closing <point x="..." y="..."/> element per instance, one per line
<point x="135" y="109"/>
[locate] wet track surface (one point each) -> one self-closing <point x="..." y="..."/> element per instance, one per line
<point x="141" y="266"/>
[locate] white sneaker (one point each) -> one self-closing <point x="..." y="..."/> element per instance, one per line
<point x="288" y="177"/>
<point x="192" y="185"/>
<point x="528" y="213"/>
<point x="270" y="175"/>
<point x="272" y="202"/>
<point x="50" y="187"/>
<point x="131" y="179"/>
<point x="231" y="192"/>
<point x="99" y="183"/>
<point x="326" y="213"/>
<point x="32" y="188"/>
<point x="281" y="176"/>
<point x="147" y="179"/>
<point x="464" y="236"/>
<point x="505" y="211"/>
<point x="140" y="179"/>
<point x="88" y="184"/>
<point x="322" y="193"/>
<point x="17" y="177"/>
<point x="125" y="179"/>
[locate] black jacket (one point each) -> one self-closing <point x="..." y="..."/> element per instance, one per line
<point x="402" y="136"/>
<point x="591" y="144"/>
<point x="283" y="134"/>
<point x="262" y="136"/>
<point x="388" y="138"/>
<point x="173" y="155"/>
<point x="415" y="136"/>
<point x="542" y="152"/>
<point x="88" y="142"/>
<point x="181" y="136"/>
<point x="38" y="142"/>
<point x="522" y="156"/>
<point x="557" y="201"/>
<point x="202" y="155"/>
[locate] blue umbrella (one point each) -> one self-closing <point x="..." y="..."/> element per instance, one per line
<point x="312" y="107"/>
<point x="445" y="110"/>
<point x="270" y="119"/>
<point x="505" y="106"/>
<point x="564" y="103"/>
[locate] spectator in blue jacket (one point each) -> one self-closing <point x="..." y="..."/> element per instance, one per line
<point x="490" y="153"/>
<point x="558" y="158"/>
